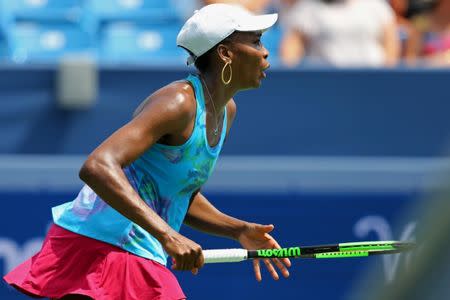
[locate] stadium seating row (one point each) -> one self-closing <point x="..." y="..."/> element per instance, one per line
<point x="117" y="31"/>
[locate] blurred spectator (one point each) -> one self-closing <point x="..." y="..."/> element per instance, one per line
<point x="436" y="36"/>
<point x="408" y="35"/>
<point x="343" y="33"/>
<point x="283" y="7"/>
<point x="186" y="7"/>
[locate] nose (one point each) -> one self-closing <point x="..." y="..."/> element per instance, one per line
<point x="265" y="52"/>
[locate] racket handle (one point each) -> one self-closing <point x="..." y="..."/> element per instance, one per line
<point x="224" y="255"/>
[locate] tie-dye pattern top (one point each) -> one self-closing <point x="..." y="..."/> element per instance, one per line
<point x="164" y="176"/>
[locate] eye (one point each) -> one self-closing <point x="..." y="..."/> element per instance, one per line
<point x="258" y="43"/>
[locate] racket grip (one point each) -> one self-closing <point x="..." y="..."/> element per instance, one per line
<point x="224" y="255"/>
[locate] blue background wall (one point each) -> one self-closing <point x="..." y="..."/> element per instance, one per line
<point x="400" y="116"/>
<point x="305" y="219"/>
<point x="309" y="112"/>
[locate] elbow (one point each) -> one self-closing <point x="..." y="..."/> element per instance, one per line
<point x="86" y="171"/>
<point x="90" y="170"/>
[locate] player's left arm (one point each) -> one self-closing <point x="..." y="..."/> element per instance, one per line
<point x="391" y="44"/>
<point x="203" y="216"/>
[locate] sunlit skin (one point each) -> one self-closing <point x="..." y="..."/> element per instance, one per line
<point x="168" y="116"/>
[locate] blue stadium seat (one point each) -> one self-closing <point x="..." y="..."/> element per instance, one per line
<point x="3" y="45"/>
<point x="25" y="10"/>
<point x="46" y="41"/>
<point x="130" y="42"/>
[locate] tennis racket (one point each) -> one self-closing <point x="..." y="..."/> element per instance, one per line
<point x="342" y="250"/>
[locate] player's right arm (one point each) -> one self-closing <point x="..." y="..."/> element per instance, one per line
<point x="292" y="47"/>
<point x="168" y="112"/>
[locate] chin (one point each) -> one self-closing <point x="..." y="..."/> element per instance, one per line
<point x="252" y="84"/>
<point x="258" y="83"/>
<point x="252" y="87"/>
<point x="255" y="84"/>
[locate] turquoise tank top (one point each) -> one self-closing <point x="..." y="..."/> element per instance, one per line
<point x="164" y="176"/>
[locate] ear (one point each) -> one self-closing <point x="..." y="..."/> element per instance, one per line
<point x="225" y="53"/>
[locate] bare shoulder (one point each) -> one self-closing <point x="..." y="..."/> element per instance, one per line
<point x="176" y="100"/>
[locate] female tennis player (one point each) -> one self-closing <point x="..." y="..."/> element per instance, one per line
<point x="144" y="181"/>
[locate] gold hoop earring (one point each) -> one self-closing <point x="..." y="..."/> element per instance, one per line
<point x="226" y="82"/>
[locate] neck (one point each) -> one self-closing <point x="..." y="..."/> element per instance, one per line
<point x="220" y="93"/>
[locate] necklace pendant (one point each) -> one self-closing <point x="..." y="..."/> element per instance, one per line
<point x="216" y="131"/>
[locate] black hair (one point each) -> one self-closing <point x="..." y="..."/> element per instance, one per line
<point x="417" y="7"/>
<point x="203" y="62"/>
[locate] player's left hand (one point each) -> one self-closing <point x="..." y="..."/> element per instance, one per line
<point x="256" y="236"/>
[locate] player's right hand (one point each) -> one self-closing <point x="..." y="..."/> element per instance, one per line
<point x="186" y="254"/>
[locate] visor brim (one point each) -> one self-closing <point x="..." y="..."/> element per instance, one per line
<point x="257" y="23"/>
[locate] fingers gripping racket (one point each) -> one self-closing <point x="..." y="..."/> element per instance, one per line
<point x="342" y="250"/>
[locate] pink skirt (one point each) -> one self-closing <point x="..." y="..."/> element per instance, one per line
<point x="69" y="263"/>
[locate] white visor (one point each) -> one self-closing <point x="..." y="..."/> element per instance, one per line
<point x="213" y="23"/>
